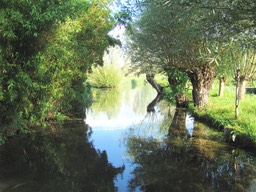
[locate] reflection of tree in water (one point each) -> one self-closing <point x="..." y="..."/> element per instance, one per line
<point x="108" y="100"/>
<point x="195" y="164"/>
<point x="138" y="98"/>
<point x="63" y="161"/>
<point x="178" y="126"/>
<point x="154" y="122"/>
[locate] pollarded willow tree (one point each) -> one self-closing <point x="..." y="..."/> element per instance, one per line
<point x="186" y="35"/>
<point x="174" y="38"/>
<point x="234" y="25"/>
<point x="239" y="59"/>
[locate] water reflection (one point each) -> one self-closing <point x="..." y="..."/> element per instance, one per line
<point x="185" y="163"/>
<point x="108" y="100"/>
<point x="163" y="149"/>
<point x="136" y="143"/>
<point x="151" y="106"/>
<point x="108" y="132"/>
<point x="126" y="107"/>
<point x="182" y="125"/>
<point x="61" y="159"/>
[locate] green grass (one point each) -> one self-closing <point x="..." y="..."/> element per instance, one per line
<point x="221" y="112"/>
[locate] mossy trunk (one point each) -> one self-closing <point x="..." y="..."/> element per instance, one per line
<point x="202" y="78"/>
<point x="221" y="86"/>
<point x="151" y="81"/>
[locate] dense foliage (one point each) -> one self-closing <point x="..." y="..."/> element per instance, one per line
<point x="46" y="48"/>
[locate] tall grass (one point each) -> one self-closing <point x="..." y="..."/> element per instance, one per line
<point x="106" y="76"/>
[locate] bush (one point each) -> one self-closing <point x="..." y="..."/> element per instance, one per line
<point x="106" y="76"/>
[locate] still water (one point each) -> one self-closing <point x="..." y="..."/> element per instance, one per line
<point x="130" y="140"/>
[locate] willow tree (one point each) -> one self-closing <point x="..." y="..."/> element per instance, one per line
<point x="174" y="37"/>
<point x="229" y="20"/>
<point x="245" y="62"/>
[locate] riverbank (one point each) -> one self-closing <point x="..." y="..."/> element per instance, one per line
<point x="220" y="113"/>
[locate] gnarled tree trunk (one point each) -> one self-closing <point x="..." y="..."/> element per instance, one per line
<point x="151" y="81"/>
<point x="202" y="78"/>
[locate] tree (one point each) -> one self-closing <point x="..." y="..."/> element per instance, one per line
<point x="240" y="61"/>
<point x="230" y="21"/>
<point x="245" y="62"/>
<point x="46" y="48"/>
<point x="166" y="39"/>
<point x="190" y="32"/>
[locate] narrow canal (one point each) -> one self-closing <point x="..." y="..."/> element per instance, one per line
<point x="130" y="140"/>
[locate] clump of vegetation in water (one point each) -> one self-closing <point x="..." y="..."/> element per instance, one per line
<point x="110" y="74"/>
<point x="106" y="76"/>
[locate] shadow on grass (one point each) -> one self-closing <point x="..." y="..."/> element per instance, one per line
<point x="214" y="95"/>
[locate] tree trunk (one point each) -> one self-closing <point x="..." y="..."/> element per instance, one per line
<point x="221" y="86"/>
<point x="242" y="88"/>
<point x="202" y="78"/>
<point x="151" y="81"/>
<point x="237" y="93"/>
<point x="181" y="100"/>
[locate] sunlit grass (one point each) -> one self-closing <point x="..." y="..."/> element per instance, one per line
<point x="221" y="111"/>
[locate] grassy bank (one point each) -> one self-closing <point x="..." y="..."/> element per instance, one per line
<point x="220" y="113"/>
